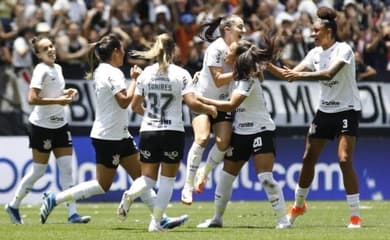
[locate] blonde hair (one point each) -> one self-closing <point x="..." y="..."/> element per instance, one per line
<point x="162" y="49"/>
<point x="101" y="51"/>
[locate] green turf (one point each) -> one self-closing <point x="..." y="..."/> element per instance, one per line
<point x="243" y="220"/>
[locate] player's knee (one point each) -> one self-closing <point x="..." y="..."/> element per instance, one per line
<point x="202" y="140"/>
<point x="344" y="157"/>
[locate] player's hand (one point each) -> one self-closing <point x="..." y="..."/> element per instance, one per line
<point x="135" y="71"/>
<point x="213" y="111"/>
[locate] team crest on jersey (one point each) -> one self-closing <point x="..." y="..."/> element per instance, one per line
<point x="115" y="159"/>
<point x="312" y="129"/>
<point x="171" y="155"/>
<point x="145" y="153"/>
<point x="47" y="144"/>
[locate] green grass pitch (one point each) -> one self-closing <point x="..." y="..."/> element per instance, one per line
<point x="243" y="220"/>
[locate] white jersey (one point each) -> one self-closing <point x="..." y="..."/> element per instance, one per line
<point x="111" y="121"/>
<point x="163" y="95"/>
<point x="50" y="81"/>
<point x="252" y="115"/>
<point x="341" y="93"/>
<point x="213" y="57"/>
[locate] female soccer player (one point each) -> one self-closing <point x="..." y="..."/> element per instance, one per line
<point x="253" y="132"/>
<point x="331" y="63"/>
<point x="111" y="139"/>
<point x="162" y="87"/>
<point x="213" y="82"/>
<point x="49" y="128"/>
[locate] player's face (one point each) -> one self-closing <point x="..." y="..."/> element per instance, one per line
<point x="321" y="34"/>
<point x="237" y="29"/>
<point x="46" y="51"/>
<point x="119" y="56"/>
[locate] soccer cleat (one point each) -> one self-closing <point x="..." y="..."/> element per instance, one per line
<point x="283" y="225"/>
<point x="169" y="223"/>
<point x="76" y="218"/>
<point x="355" y="222"/>
<point x="124" y="206"/>
<point x="186" y="195"/>
<point x="201" y="180"/>
<point x="210" y="223"/>
<point x="155" y="226"/>
<point x="13" y="214"/>
<point x="294" y="212"/>
<point x="49" y="203"/>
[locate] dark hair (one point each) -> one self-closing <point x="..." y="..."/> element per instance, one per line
<point x="101" y="51"/>
<point x="207" y="30"/>
<point x="328" y="19"/>
<point x="251" y="58"/>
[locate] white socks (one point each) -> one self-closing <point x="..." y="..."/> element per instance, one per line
<point x="223" y="192"/>
<point x="81" y="191"/>
<point x="164" y="195"/>
<point x="213" y="159"/>
<point x="274" y="193"/>
<point x="140" y="186"/>
<point x="353" y="201"/>
<point x="66" y="179"/>
<point x="27" y="183"/>
<point x="193" y="160"/>
<point x="300" y="196"/>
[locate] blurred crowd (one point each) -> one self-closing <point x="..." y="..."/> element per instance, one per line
<point x="73" y="24"/>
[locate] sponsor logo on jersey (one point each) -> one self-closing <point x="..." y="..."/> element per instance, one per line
<point x="245" y="125"/>
<point x="330" y="103"/>
<point x="56" y="119"/>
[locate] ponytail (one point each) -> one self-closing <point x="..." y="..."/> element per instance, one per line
<point x="101" y="51"/>
<point x="162" y="49"/>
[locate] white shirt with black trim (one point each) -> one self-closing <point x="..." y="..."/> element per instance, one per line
<point x="163" y="95"/>
<point x="214" y="57"/>
<point x="340" y="93"/>
<point x="252" y="115"/>
<point x="50" y="81"/>
<point x="111" y="121"/>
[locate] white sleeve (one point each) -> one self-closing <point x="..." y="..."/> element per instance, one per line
<point x="117" y="81"/>
<point x="37" y="77"/>
<point x="345" y="53"/>
<point x="244" y="87"/>
<point x="215" y="57"/>
<point x="186" y="80"/>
